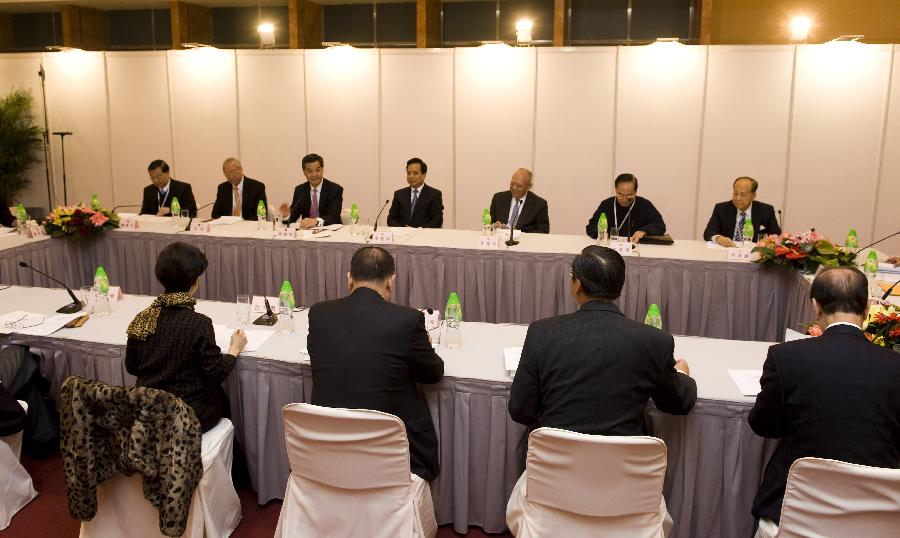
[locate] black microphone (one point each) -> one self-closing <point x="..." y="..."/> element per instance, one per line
<point x="75" y="306"/>
<point x="780" y="221"/>
<point x="889" y="290"/>
<point x="375" y="229"/>
<point x="512" y="234"/>
<point x="125" y="205"/>
<point x="870" y="245"/>
<point x="190" y="220"/>
<point x="269" y="318"/>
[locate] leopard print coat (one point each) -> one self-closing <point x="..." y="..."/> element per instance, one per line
<point x="107" y="429"/>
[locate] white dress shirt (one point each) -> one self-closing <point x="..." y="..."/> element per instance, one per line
<point x="512" y="206"/>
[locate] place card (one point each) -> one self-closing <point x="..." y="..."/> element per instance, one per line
<point x="35" y="231"/>
<point x="200" y="227"/>
<point x="383" y="237"/>
<point x="259" y="304"/>
<point x="488" y="241"/>
<point x="129" y="223"/>
<point x="739" y="254"/>
<point x="625" y="248"/>
<point x="115" y="294"/>
<point x="286" y="233"/>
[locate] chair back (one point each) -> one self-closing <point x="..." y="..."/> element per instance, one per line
<point x="595" y="475"/>
<point x="346" y="448"/>
<point x="834" y="498"/>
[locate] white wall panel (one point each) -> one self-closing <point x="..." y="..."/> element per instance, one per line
<point x="745" y="132"/>
<point x="887" y="214"/>
<point x="272" y="119"/>
<point x="839" y="105"/>
<point x="77" y="102"/>
<point x="203" y="93"/>
<point x="660" y="96"/>
<point x="494" y="95"/>
<point x="20" y="72"/>
<point x="342" y="110"/>
<point x="139" y="120"/>
<point x="574" y="130"/>
<point x="417" y="120"/>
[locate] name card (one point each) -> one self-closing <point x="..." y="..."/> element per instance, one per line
<point x="739" y="254"/>
<point x="488" y="241"/>
<point x="35" y="231"/>
<point x="200" y="227"/>
<point x="259" y="304"/>
<point x="286" y="233"/>
<point x="129" y="223"/>
<point x="115" y="294"/>
<point x="624" y="248"/>
<point x="383" y="237"/>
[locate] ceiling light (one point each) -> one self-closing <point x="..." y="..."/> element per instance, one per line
<point x="800" y="28"/>
<point x="523" y="31"/>
<point x="266" y="34"/>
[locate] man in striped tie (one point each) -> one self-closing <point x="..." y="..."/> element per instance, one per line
<point x="726" y="225"/>
<point x="519" y="207"/>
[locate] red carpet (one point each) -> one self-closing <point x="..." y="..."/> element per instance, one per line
<point x="48" y="515"/>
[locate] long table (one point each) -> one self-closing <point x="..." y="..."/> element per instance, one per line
<point x="714" y="461"/>
<point x="698" y="290"/>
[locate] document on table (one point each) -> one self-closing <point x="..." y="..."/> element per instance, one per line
<point x="747" y="381"/>
<point x="511" y="356"/>
<point x="790" y="335"/>
<point x="225" y="220"/>
<point x="255" y="337"/>
<point x="21" y="322"/>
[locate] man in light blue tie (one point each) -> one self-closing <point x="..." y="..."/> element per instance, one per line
<point x="419" y="205"/>
<point x="519" y="207"/>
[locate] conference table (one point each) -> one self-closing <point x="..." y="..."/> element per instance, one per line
<point x="699" y="291"/>
<point x="714" y="461"/>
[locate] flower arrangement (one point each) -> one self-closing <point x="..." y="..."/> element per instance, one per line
<point x="883" y="326"/>
<point x="804" y="252"/>
<point x="79" y="221"/>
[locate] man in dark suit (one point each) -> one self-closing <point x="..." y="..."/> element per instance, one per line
<point x="529" y="212"/>
<point x="835" y="396"/>
<point x="158" y="196"/>
<point x="319" y="199"/>
<point x="627" y="213"/>
<point x="368" y="353"/>
<point x="6" y="217"/>
<point x="239" y="195"/>
<point x="419" y="205"/>
<point x="594" y="371"/>
<point x="726" y="225"/>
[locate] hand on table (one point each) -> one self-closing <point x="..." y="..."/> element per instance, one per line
<point x="637" y="236"/>
<point x="284" y="211"/>
<point x="893" y="260"/>
<point x="309" y="223"/>
<point x="724" y="241"/>
<point x="163" y="211"/>
<point x="238" y="342"/>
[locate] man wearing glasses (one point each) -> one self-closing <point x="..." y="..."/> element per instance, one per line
<point x="627" y="214"/>
<point x="726" y="225"/>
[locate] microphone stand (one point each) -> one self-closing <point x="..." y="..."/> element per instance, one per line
<point x="870" y="245"/>
<point x="190" y="220"/>
<point x="375" y="228"/>
<point x="45" y="134"/>
<point x="512" y="233"/>
<point x="62" y="140"/>
<point x="889" y="291"/>
<point x="75" y="306"/>
<point x="269" y="318"/>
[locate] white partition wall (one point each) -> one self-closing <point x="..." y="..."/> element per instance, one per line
<point x="745" y="124"/>
<point x="840" y="99"/>
<point x="203" y="96"/>
<point x="139" y="120"/>
<point x="342" y="111"/>
<point x="494" y="91"/>
<point x="77" y="102"/>
<point x="660" y="99"/>
<point x="574" y="128"/>
<point x="887" y="214"/>
<point x="417" y="120"/>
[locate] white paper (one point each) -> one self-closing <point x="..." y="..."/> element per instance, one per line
<point x="790" y="335"/>
<point x="332" y="227"/>
<point x="747" y="381"/>
<point x="884" y="267"/>
<point x="713" y="244"/>
<point x="127" y="215"/>
<point x="255" y="337"/>
<point x="511" y="356"/>
<point x="226" y="220"/>
<point x="47" y="323"/>
<point x="401" y="230"/>
<point x="318" y="233"/>
<point x="153" y="218"/>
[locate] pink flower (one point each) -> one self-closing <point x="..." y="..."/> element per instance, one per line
<point x="98" y="219"/>
<point x="814" y="330"/>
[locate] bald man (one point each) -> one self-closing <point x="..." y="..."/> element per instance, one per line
<point x="726" y="225"/>
<point x="239" y="195"/>
<point x="520" y="207"/>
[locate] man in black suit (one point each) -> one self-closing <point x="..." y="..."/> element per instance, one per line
<point x="529" y="212"/>
<point x="419" y="205"/>
<point x="6" y="217"/>
<point x="368" y="353"/>
<point x="158" y="196"/>
<point x="627" y="213"/>
<point x="726" y="225"/>
<point x="835" y="396"/>
<point x="239" y="195"/>
<point x="319" y="199"/>
<point x="594" y="371"/>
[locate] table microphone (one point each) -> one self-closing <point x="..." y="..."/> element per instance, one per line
<point x="190" y="220"/>
<point x="269" y="318"/>
<point x="75" y="306"/>
<point x="375" y="229"/>
<point x="512" y="234"/>
<point x="870" y="245"/>
<point x="889" y="291"/>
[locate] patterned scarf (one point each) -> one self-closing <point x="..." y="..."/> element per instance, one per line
<point x="144" y="324"/>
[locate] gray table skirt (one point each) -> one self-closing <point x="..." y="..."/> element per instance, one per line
<point x="715" y="462"/>
<point x="736" y="301"/>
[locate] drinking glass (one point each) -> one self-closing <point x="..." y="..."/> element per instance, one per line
<point x="243" y="310"/>
<point x="185" y="217"/>
<point x="87" y="296"/>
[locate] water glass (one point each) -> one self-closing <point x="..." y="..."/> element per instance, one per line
<point x="185" y="217"/>
<point x="87" y="297"/>
<point x="243" y="310"/>
<point x="101" y="307"/>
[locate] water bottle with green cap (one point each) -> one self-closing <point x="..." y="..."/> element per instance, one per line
<point x="871" y="270"/>
<point x="486" y="222"/>
<point x="260" y="215"/>
<point x="95" y="202"/>
<point x="654" y="318"/>
<point x="287" y="291"/>
<point x="453" y="318"/>
<point x="354" y="219"/>
<point x="286" y="308"/>
<point x="852" y="240"/>
<point x="748" y="231"/>
<point x="101" y="292"/>
<point x="175" y="211"/>
<point x="602" y="229"/>
<point x="21" y="217"/>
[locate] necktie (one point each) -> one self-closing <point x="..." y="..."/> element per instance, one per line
<point x="314" y="209"/>
<point x="412" y="206"/>
<point x="515" y="214"/>
<point x="739" y="230"/>
<point x="236" y="207"/>
<point x="162" y="197"/>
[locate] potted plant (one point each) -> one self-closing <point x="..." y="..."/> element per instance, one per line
<point x="20" y="140"/>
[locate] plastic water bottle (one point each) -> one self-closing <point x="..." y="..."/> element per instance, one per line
<point x="354" y="219"/>
<point x="101" y="293"/>
<point x="852" y="240"/>
<point x="602" y="230"/>
<point x="871" y="270"/>
<point x="289" y="290"/>
<point x="453" y="320"/>
<point x="285" y="309"/>
<point x="653" y="319"/>
<point x="175" y="212"/>
<point x="486" y="222"/>
<point x="95" y="202"/>
<point x="21" y="217"/>
<point x="260" y="215"/>
<point x="748" y="232"/>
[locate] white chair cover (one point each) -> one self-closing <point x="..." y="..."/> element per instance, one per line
<point x="16" y="489"/>
<point x="350" y="476"/>
<point x="590" y="485"/>
<point x="15" y="440"/>
<point x="215" y="511"/>
<point x="833" y="498"/>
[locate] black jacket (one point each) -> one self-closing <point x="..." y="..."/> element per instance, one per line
<point x="6" y="217"/>
<point x="593" y="372"/>
<point x="429" y="211"/>
<point x="367" y="353"/>
<point x="331" y="199"/>
<point x="533" y="218"/>
<point x="254" y="192"/>
<point x="724" y="219"/>
<point x="835" y="396"/>
<point x="178" y="189"/>
<point x="643" y="218"/>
